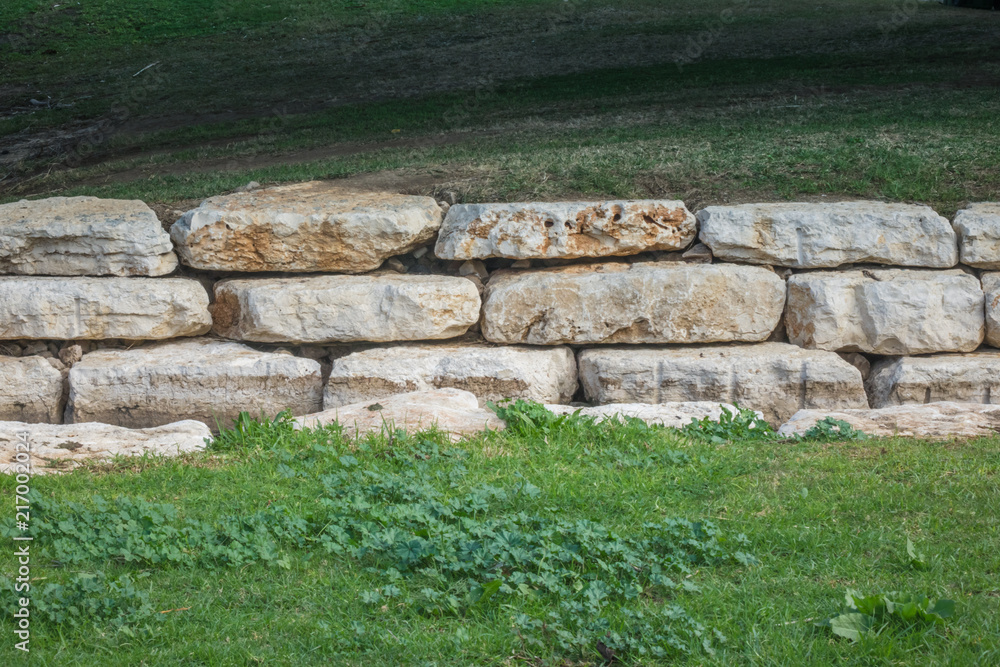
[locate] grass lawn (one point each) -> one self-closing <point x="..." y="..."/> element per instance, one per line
<point x="709" y="101"/>
<point x="618" y="537"/>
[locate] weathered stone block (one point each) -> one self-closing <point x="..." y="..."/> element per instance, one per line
<point x="79" y="236"/>
<point x="776" y="379"/>
<point x="978" y="228"/>
<point x="60" y="448"/>
<point x="991" y="288"/>
<point x="564" y="229"/>
<point x="633" y="303"/>
<point x="830" y="234"/>
<point x="546" y="375"/>
<point x="450" y="410"/>
<point x="935" y="420"/>
<point x="207" y="380"/>
<point x="894" y="311"/>
<point x="672" y="415"/>
<point x="97" y="308"/>
<point x="327" y="309"/>
<point x="960" y="378"/>
<point x="31" y="390"/>
<point x="313" y="226"/>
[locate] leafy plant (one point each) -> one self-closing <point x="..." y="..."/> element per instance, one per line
<point x="526" y="417"/>
<point x="873" y="614"/>
<point x="744" y="424"/>
<point x="831" y="429"/>
<point x="86" y="599"/>
<point x="917" y="559"/>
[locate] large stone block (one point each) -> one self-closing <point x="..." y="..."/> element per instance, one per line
<point x="991" y="288"/>
<point x="31" y="390"/>
<point x="338" y="309"/>
<point x="828" y="235"/>
<point x="311" y="226"/>
<point x="60" y="448"/>
<point x="453" y="411"/>
<point x="978" y="228"/>
<point x="935" y="420"/>
<point x="98" y="308"/>
<point x="81" y="236"/>
<point x="775" y="379"/>
<point x="633" y="303"/>
<point x="961" y="378"/>
<point x="671" y="415"/>
<point x="893" y="311"/>
<point x="546" y="375"/>
<point x="564" y="229"/>
<point x="207" y="380"/>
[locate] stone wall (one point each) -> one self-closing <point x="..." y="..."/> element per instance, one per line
<point x="308" y="298"/>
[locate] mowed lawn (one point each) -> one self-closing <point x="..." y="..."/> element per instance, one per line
<point x="298" y="548"/>
<point x="708" y="101"/>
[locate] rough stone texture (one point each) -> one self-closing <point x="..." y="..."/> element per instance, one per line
<point x="827" y="235"/>
<point x="774" y="378"/>
<point x="311" y="226"/>
<point x="60" y="448"/>
<point x="894" y="311"/>
<point x="545" y="375"/>
<point x="327" y="309"/>
<point x="451" y="410"/>
<point x="81" y="236"/>
<point x="633" y="303"/>
<point x="564" y="229"/>
<point x="991" y="288"/>
<point x="978" y="228"/>
<point x="963" y="378"/>
<point x="96" y="308"/>
<point x="207" y="380"/>
<point x="31" y="390"/>
<point x="935" y="420"/>
<point x="674" y="415"/>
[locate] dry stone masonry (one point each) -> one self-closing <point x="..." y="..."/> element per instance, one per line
<point x="413" y="313"/>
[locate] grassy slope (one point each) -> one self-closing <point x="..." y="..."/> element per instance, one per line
<point x="790" y="99"/>
<point x="821" y="518"/>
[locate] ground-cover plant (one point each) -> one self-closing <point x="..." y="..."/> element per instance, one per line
<point x="291" y="547"/>
<point x="872" y="614"/>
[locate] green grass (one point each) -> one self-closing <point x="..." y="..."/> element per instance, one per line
<point x="820" y="517"/>
<point x="507" y="100"/>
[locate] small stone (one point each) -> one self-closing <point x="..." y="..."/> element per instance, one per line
<point x="35" y="347"/>
<point x="521" y="264"/>
<point x="420" y="252"/>
<point x="56" y="364"/>
<point x="393" y="264"/>
<point x="474" y="267"/>
<point x="699" y="253"/>
<point x="859" y="361"/>
<point x="71" y="354"/>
